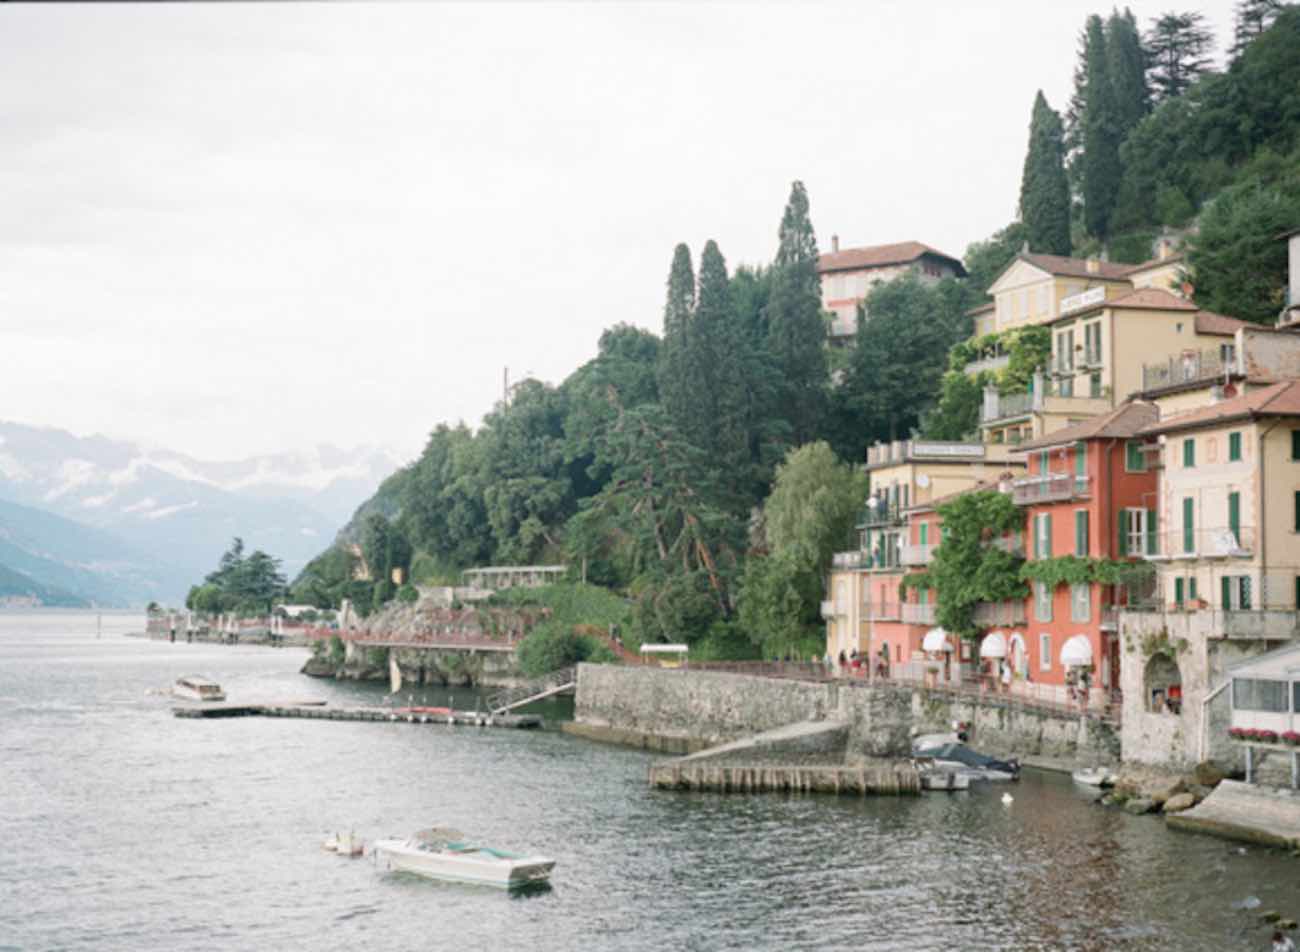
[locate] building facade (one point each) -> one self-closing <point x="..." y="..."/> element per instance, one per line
<point x="848" y="276"/>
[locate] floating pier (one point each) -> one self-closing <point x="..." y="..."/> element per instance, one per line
<point x="321" y="712"/>
<point x="888" y="780"/>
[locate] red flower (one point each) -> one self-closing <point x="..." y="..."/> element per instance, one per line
<point x="1292" y="738"/>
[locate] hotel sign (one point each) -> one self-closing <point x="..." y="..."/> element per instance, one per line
<point x="1076" y="302"/>
<point x="963" y="450"/>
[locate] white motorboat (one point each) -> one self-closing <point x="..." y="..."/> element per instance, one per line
<point x="937" y="778"/>
<point x="1095" y="777"/>
<point x="960" y="759"/>
<point x="345" y="844"/>
<point x="195" y="688"/>
<point x="444" y="854"/>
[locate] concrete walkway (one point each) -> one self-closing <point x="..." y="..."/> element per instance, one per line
<point x="1244" y="811"/>
<point x="802" y="738"/>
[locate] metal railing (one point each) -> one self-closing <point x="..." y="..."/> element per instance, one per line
<point x="881" y="515"/>
<point x="1004" y="406"/>
<point x="1184" y="368"/>
<point x="551" y="683"/>
<point x="919" y="554"/>
<point x="916" y="613"/>
<point x="882" y="611"/>
<point x="982" y="364"/>
<point x="999" y="613"/>
<point x="1218" y="543"/>
<point x="1051" y="487"/>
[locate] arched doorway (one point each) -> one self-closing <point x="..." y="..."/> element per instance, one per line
<point x="1162" y="683"/>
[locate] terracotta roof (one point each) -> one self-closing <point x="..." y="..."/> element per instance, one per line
<point x="1154" y="263"/>
<point x="1122" y="422"/>
<point x="1280" y="399"/>
<point x="1207" y="322"/>
<point x="1158" y="299"/>
<point x="983" y="307"/>
<point x="880" y="256"/>
<point x="1076" y="267"/>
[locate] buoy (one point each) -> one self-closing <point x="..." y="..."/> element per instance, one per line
<point x="1008" y="798"/>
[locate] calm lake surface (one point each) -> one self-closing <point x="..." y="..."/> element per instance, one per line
<point x="123" y="827"/>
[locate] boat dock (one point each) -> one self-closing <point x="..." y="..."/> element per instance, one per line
<point x="782" y="778"/>
<point x="322" y="712"/>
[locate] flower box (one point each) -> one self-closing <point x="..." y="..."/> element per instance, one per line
<point x="1261" y="736"/>
<point x="1292" y="738"/>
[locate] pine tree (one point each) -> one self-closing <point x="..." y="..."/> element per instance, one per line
<point x="1253" y="18"/>
<point x="1179" y="47"/>
<point x="1126" y="68"/>
<point x="1044" y="188"/>
<point x="1100" y="165"/>
<point x="716" y="388"/>
<point x="675" y="371"/>
<point x="796" y="333"/>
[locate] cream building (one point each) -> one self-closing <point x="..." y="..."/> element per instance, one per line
<point x="848" y="276"/>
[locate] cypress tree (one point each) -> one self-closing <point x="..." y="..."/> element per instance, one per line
<point x="1044" y="189"/>
<point x="1178" y="49"/>
<point x="714" y="386"/>
<point x="675" y="370"/>
<point x="796" y="333"/>
<point x="1100" y="165"/>
<point x="1126" y="67"/>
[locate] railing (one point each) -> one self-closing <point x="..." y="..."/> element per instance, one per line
<point x="1220" y="543"/>
<point x="999" y="613"/>
<point x="1049" y="488"/>
<point x="920" y="554"/>
<point x="551" y="683"/>
<point x="900" y="450"/>
<point x="996" y="362"/>
<point x="881" y="515"/>
<point x="1193" y="621"/>
<point x="1185" y="368"/>
<point x="1004" y="406"/>
<point x="916" y="613"/>
<point x="882" y="611"/>
<point x="1023" y="696"/>
<point x="831" y="610"/>
<point x="856" y="559"/>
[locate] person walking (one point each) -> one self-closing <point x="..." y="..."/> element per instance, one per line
<point x="1282" y="942"/>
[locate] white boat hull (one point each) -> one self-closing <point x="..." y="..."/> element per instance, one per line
<point x="478" y="866"/>
<point x="203" y="691"/>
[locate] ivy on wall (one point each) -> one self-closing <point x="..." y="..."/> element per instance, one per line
<point x="967" y="568"/>
<point x="1078" y="570"/>
<point x="1028" y="347"/>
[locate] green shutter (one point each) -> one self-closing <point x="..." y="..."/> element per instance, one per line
<point x="925" y="532"/>
<point x="1189" y="525"/>
<point x="1178" y="591"/>
<point x="1191" y="589"/>
<point x="1081" y="532"/>
<point x="1189" y="453"/>
<point x="1225" y="592"/>
<point x="1234" y="447"/>
<point x="1245" y="593"/>
<point x="1295" y="444"/>
<point x="1152" y="539"/>
<point x="1297" y="512"/>
<point x="1123" y="532"/>
<point x="1234" y="515"/>
<point x="1080" y="458"/>
<point x="1047" y="536"/>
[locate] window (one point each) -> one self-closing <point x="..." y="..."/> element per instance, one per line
<point x="1189" y="524"/>
<point x="1295" y="444"/>
<point x="1191" y="588"/>
<point x="1137" y="531"/>
<point x="1135" y="461"/>
<point x="1227" y="353"/>
<point x="1189" y="452"/>
<point x="1080" y="602"/>
<point x="1042" y="602"/>
<point x="1234" y="447"/>
<point x="1080" y="459"/>
<point x="1094" y="384"/>
<point x="1044" y="652"/>
<point x="1081" y="532"/>
<point x="1297" y="512"/>
<point x="1065" y="351"/>
<point x="1234" y="593"/>
<point x="1256" y="694"/>
<point x="1234" y="517"/>
<point x="1092" y="342"/>
<point x="1044" y="462"/>
<point x="1043" y="536"/>
<point x="925" y="533"/>
<point x="1067" y="386"/>
<point x="1179" y="589"/>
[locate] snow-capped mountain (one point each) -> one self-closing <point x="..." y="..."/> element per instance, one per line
<point x="182" y="511"/>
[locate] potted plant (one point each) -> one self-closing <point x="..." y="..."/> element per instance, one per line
<point x="1237" y="733"/>
<point x="1292" y="738"/>
<point x="1266" y="736"/>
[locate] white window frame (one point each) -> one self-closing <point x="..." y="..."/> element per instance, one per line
<point x="1081" y="601"/>
<point x="1137" y="531"/>
<point x="1042" y="602"/>
<point x="1044" y="651"/>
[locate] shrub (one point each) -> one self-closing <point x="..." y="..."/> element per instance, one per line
<point x="407" y="594"/>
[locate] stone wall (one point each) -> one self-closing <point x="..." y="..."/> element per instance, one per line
<point x="683" y="710"/>
<point x="421" y="666"/>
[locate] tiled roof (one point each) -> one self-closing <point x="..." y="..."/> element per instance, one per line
<point x="880" y="256"/>
<point x="1077" y="267"/>
<point x="1122" y="422"/>
<point x="1280" y="399"/>
<point x="1154" y="263"/>
<point x="987" y="306"/>
<point x="1158" y="299"/>
<point x="1207" y="322"/>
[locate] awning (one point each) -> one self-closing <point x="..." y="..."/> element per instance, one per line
<point x="936" y="639"/>
<point x="994" y="645"/>
<point x="1076" y="651"/>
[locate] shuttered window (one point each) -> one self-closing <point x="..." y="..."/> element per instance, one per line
<point x="1234" y="447"/>
<point x="1081" y="532"/>
<point x="1189" y="453"/>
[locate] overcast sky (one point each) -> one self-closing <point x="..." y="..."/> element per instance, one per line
<point x="231" y="229"/>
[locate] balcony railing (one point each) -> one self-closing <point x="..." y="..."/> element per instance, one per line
<point x="1185" y="368"/>
<point x="1006" y="406"/>
<point x="831" y="610"/>
<point x="1049" y="488"/>
<point x="996" y="362"/>
<point x="1191" y="623"/>
<point x="880" y="515"/>
<point x="1221" y="543"/>
<point x="920" y="554"/>
<point x="1000" y="613"/>
<point x="901" y="450"/>
<point x="882" y="611"/>
<point x="917" y="614"/>
<point x="856" y="559"/>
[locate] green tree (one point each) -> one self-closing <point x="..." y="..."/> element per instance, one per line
<point x="1253" y="17"/>
<point x="987" y="259"/>
<point x="1100" y="164"/>
<point x="1044" y="188"/>
<point x="967" y="569"/>
<point x="677" y="371"/>
<point x="1180" y="50"/>
<point x="1126" y="68"/>
<point x="796" y="332"/>
<point x="956" y="414"/>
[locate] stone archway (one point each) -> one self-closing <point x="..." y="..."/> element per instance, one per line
<point x="1162" y="685"/>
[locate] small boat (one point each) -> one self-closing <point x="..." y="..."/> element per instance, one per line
<point x="959" y="758"/>
<point x="195" y="688"/>
<point x="444" y="854"/>
<point x="345" y="844"/>
<point x="936" y="778"/>
<point x="1095" y="777"/>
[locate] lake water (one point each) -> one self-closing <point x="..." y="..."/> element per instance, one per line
<point x="123" y="827"/>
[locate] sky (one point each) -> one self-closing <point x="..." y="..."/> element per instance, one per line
<point x="234" y="229"/>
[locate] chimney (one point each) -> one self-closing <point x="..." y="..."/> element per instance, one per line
<point x="1093" y="264"/>
<point x="835" y="243"/>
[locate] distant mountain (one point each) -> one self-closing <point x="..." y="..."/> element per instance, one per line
<point x="178" y="514"/>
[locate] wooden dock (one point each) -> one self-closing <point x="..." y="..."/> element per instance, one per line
<point x="776" y="778"/>
<point x="322" y="712"/>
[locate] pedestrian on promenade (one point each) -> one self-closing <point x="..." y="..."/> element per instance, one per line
<point x="843" y="660"/>
<point x="1282" y="942"/>
<point x="1006" y="677"/>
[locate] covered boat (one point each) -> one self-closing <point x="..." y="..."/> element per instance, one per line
<point x="960" y="759"/>
<point x="441" y="853"/>
<point x="195" y="688"/>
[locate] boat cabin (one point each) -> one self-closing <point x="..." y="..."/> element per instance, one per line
<point x="665" y="656"/>
<point x="1265" y="693"/>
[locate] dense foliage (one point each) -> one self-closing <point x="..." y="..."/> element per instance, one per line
<point x="249" y="583"/>
<point x="967" y="568"/>
<point x="1044" y="187"/>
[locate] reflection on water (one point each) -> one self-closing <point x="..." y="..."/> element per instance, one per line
<point x="137" y="830"/>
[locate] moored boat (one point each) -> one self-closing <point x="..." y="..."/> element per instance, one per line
<point x="960" y="759"/>
<point x="195" y="688"/>
<point x="1094" y="777"/>
<point x="345" y="844"/>
<point x="446" y="855"/>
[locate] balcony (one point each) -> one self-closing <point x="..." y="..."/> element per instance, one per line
<point x="882" y="611"/>
<point x="999" y="406"/>
<point x="983" y="364"/>
<point x="915" y="613"/>
<point x="988" y="614"/>
<point x="1203" y="624"/>
<point x="831" y="610"/>
<point x="880" y="515"/>
<point x="856" y="559"/>
<point x="1221" y="543"/>
<point x="1191" y="367"/>
<point x="917" y="554"/>
<point x="1052" y="487"/>
<point x="901" y="451"/>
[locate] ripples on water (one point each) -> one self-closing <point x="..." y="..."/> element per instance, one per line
<point x="125" y="828"/>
